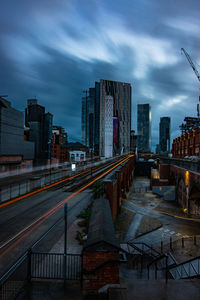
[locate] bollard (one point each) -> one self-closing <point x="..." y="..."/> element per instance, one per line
<point x="182" y="242"/>
<point x="156" y="270"/>
<point x="170" y="243"/>
<point x="161" y="246"/>
<point x="195" y="240"/>
<point x="166" y="270"/>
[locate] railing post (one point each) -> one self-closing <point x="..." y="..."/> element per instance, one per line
<point x="170" y="243"/>
<point x="156" y="270"/>
<point x="161" y="246"/>
<point x="166" y="270"/>
<point x="182" y="242"/>
<point x="65" y="242"/>
<point x="29" y="254"/>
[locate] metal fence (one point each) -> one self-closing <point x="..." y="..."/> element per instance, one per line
<point x="14" y="190"/>
<point x="33" y="265"/>
<point x="56" y="266"/>
<point x="13" y="281"/>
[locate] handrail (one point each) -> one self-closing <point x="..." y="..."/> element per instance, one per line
<point x="5" y="276"/>
<point x="187" y="261"/>
<point x="142" y="243"/>
<point x="140" y="250"/>
<point x="183" y="266"/>
<point x="157" y="259"/>
<point x="100" y="266"/>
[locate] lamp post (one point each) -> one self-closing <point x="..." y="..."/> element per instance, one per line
<point x="91" y="155"/>
<point x="187" y="181"/>
<point x="49" y="156"/>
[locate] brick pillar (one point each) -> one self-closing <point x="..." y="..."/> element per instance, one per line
<point x="119" y="192"/>
<point x="107" y="272"/>
<point x="111" y="189"/>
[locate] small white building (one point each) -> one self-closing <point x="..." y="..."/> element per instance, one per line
<point x="77" y="155"/>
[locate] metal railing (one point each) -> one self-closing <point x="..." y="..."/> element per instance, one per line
<point x="13" y="281"/>
<point x="161" y="263"/>
<point x="183" y="163"/>
<point x="187" y="269"/>
<point x="144" y="248"/>
<point x="56" y="266"/>
<point x="39" y="266"/>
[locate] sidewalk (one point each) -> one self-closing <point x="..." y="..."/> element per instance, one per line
<point x="73" y="246"/>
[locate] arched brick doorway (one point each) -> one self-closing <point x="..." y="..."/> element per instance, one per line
<point x="194" y="200"/>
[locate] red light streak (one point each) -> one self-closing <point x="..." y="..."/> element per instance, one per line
<point x="58" y="206"/>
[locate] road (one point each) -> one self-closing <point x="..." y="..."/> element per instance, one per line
<point x="145" y="205"/>
<point x="23" y="222"/>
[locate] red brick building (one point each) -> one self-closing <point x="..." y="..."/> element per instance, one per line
<point x="59" y="140"/>
<point x="187" y="144"/>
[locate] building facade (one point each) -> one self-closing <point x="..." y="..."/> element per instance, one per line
<point x="95" y="114"/>
<point x="144" y="127"/>
<point x="187" y="144"/>
<point x="59" y="141"/>
<point x="77" y="152"/>
<point x="14" y="150"/>
<point x="133" y="140"/>
<point x="40" y="124"/>
<point x="164" y="136"/>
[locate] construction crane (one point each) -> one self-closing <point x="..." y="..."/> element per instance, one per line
<point x="191" y="63"/>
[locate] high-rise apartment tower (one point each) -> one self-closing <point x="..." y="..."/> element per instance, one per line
<point x="144" y="127"/>
<point x="106" y="118"/>
<point x="164" y="137"/>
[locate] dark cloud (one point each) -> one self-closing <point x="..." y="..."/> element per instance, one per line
<point x="54" y="49"/>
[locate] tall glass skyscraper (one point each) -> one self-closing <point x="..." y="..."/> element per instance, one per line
<point x="164" y="138"/>
<point x="144" y="127"/>
<point x="96" y="117"/>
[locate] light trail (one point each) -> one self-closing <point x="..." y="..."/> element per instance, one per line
<point x="43" y="218"/>
<point x="41" y="189"/>
<point x="44" y="188"/>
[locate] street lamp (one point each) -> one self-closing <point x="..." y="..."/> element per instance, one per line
<point x="187" y="182"/>
<point x="49" y="156"/>
<point x="91" y="155"/>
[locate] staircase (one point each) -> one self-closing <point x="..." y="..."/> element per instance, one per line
<point x="149" y="274"/>
<point x="147" y="263"/>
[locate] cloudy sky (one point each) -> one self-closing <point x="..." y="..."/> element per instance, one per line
<point x="55" y="49"/>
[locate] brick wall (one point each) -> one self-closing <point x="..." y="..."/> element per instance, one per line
<point x="107" y="274"/>
<point x="118" y="185"/>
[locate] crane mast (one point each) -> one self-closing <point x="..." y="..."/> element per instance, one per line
<point x="191" y="63"/>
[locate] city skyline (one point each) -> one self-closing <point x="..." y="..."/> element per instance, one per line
<point x="54" y="50"/>
<point x="106" y="118"/>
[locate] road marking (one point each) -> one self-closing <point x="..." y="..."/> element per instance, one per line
<point x="128" y="209"/>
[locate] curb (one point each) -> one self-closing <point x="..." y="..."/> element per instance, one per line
<point x="162" y="212"/>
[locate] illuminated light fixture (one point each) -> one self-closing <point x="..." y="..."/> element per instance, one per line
<point x="187" y="178"/>
<point x="73" y="167"/>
